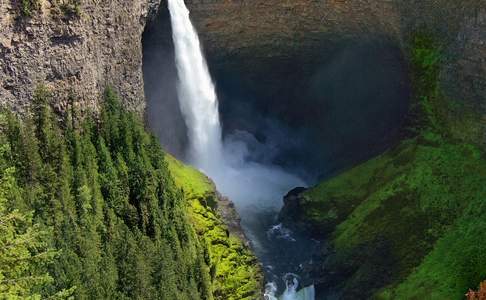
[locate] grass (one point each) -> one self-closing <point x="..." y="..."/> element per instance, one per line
<point x="456" y="264"/>
<point x="235" y="270"/>
<point x="394" y="210"/>
<point x="194" y="183"/>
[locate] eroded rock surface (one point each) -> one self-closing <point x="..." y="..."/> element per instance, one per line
<point x="75" y="57"/>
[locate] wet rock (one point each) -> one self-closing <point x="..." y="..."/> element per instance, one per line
<point x="226" y="209"/>
<point x="291" y="213"/>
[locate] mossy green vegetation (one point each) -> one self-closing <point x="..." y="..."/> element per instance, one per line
<point x="194" y="183"/>
<point x="411" y="199"/>
<point x="235" y="270"/>
<point x="409" y="224"/>
<point x="65" y="9"/>
<point x="29" y="7"/>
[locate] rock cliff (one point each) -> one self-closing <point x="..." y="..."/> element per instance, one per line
<point x="258" y="29"/>
<point x="79" y="55"/>
<point x="75" y="54"/>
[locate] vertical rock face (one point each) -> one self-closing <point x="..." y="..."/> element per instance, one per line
<point x="74" y="56"/>
<point x="78" y="56"/>
<point x="256" y="35"/>
<point x="469" y="67"/>
<point x="259" y="36"/>
<point x="461" y="28"/>
<point x="231" y="27"/>
<point x="236" y="25"/>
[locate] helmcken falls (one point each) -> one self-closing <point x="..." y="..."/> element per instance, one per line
<point x="243" y="149"/>
<point x="197" y="96"/>
<point x="256" y="189"/>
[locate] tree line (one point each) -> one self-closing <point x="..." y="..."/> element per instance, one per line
<point x="88" y="209"/>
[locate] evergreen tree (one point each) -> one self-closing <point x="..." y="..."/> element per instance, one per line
<point x="102" y="194"/>
<point x="24" y="250"/>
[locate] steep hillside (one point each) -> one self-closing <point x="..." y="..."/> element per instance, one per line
<point x="236" y="271"/>
<point x="105" y="215"/>
<point x="407" y="224"/>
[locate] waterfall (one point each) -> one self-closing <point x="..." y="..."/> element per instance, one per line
<point x="226" y="165"/>
<point x="197" y="95"/>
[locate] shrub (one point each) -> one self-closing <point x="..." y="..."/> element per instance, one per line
<point x="29" y="7"/>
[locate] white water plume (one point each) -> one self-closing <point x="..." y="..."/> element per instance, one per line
<point x="291" y="293"/>
<point x="252" y="186"/>
<point x="197" y="96"/>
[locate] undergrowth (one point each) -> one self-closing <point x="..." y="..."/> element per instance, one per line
<point x="29" y="7"/>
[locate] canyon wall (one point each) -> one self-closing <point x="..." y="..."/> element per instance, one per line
<point x="261" y="37"/>
<point x="75" y="54"/>
<point x="272" y="29"/>
<point x="78" y="55"/>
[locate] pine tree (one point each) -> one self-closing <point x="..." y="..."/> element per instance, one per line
<point x="100" y="192"/>
<point x="24" y="252"/>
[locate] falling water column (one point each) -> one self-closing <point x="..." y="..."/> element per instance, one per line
<point x="199" y="106"/>
<point x="197" y="95"/>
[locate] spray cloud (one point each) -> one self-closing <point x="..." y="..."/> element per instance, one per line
<point x="252" y="186"/>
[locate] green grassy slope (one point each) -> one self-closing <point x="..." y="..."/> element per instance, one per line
<point x="236" y="272"/>
<point x="409" y="224"/>
<point x="422" y="199"/>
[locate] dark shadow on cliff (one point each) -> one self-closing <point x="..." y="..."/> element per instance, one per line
<point x="323" y="110"/>
<point x="315" y="109"/>
<point x="163" y="114"/>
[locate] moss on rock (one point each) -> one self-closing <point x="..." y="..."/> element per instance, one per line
<point x="235" y="271"/>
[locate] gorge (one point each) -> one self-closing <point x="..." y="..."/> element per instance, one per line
<point x="231" y="150"/>
<point x="227" y="164"/>
<point x="260" y="151"/>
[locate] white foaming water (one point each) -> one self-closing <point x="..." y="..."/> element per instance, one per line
<point x="252" y="186"/>
<point x="291" y="293"/>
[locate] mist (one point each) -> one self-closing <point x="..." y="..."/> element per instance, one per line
<point x="252" y="186"/>
<point x="258" y="133"/>
<point x="249" y="182"/>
